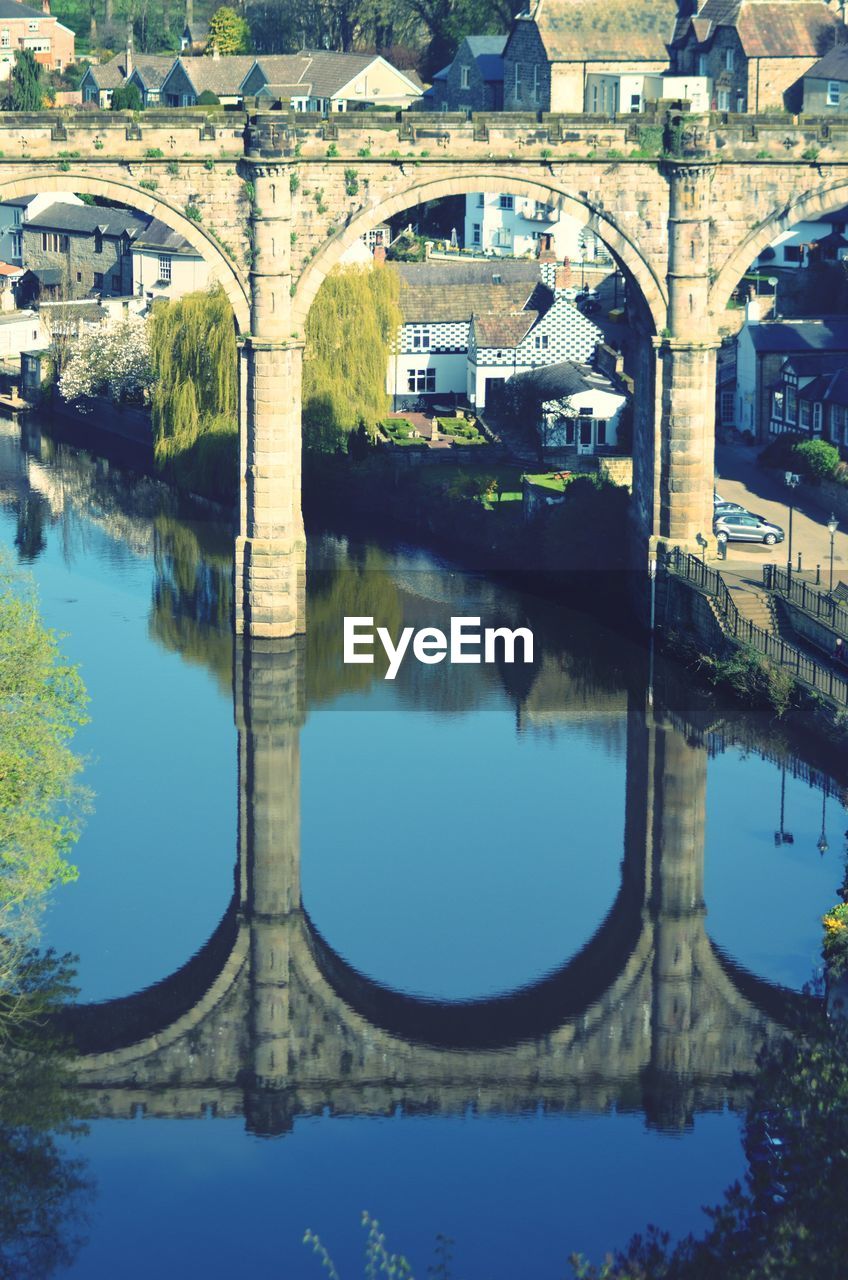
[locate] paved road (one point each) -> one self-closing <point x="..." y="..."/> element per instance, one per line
<point x="740" y="479"/>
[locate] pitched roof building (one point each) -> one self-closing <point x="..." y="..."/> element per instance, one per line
<point x="556" y="44"/>
<point x="323" y="81"/>
<point x="825" y="85"/>
<point x="25" y="27"/>
<point x="755" y="51"/>
<point x="474" y="80"/>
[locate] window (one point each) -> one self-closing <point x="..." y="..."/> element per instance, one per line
<point x="116" y="284"/>
<point x="421" y="380"/>
<point x="17" y="217"/>
<point x="464" y="77"/>
<point x="569" y="431"/>
<point x="536" y="82"/>
<point x="98" y="240"/>
<point x="502" y="239"/>
<point x="17" y="245"/>
<point x="817" y="417"/>
<point x="540" y="342"/>
<point x="54" y="242"/>
<point x="601" y="431"/>
<point x="726" y="408"/>
<point x="475" y="233"/>
<point x="4" y="38"/>
<point x="507" y="202"/>
<point x="517" y="78"/>
<point x="702" y="64"/>
<point x="804" y="413"/>
<point x="594" y="99"/>
<point x="833" y="93"/>
<point x="729" y="59"/>
<point x="79" y="277"/>
<point x="481" y="201"/>
<point x="32" y="25"/>
<point x="165" y="267"/>
<point x="792" y="253"/>
<point x="791" y="405"/>
<point x="420" y="338"/>
<point x="98" y="280"/>
<point x="635" y="103"/>
<point x="776" y="405"/>
<point x="723" y="100"/>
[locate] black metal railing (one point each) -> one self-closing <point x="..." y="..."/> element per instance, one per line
<point x="806" y="669"/>
<point x="821" y="605"/>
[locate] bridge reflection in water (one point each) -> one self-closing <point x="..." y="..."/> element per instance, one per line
<point x="268" y="1021"/>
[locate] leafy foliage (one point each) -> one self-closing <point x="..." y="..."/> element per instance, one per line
<point x="42" y="702"/>
<point x="126" y="97"/>
<point x="26" y="86"/>
<point x="194" y="396"/>
<point x="349" y="333"/>
<point x="114" y="361"/>
<point x="228" y="31"/>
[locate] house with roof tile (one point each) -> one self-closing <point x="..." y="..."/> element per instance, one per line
<point x="810" y="396"/>
<point x="194" y="37"/>
<point x="71" y="251"/>
<point x="325" y="82"/>
<point x="763" y="348"/>
<point x="824" y="87"/>
<point x="188" y="78"/>
<point x="23" y="27"/>
<point x="556" y="44"/>
<point x="146" y="71"/>
<point x="17" y="210"/>
<point x="574" y="406"/>
<point x="756" y="52"/>
<point x="165" y="265"/>
<point x="469" y="325"/>
<point x="474" y="80"/>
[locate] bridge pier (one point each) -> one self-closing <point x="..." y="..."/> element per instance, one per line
<point x="270" y="555"/>
<point x="684" y="439"/>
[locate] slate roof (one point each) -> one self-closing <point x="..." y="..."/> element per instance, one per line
<point x="568" y="378"/>
<point x="833" y="66"/>
<point x="449" y="271"/>
<point x="503" y="329"/>
<point x="830" y="333"/>
<point x="766" y="28"/>
<point x="487" y="52"/>
<point x="316" y="73"/>
<point x="86" y="218"/>
<point x="152" y="69"/>
<point x="432" y="303"/>
<point x="832" y="388"/>
<point x="809" y="366"/>
<point x="606" y="30"/>
<point x="11" y="9"/>
<point x="160" y="238"/>
<point x="108" y="75"/>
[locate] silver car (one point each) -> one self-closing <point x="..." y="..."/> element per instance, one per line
<point x="742" y="526"/>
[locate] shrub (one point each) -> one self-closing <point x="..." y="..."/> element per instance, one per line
<point x="156" y="153"/>
<point x="127" y="98"/>
<point x="816" y="458"/>
<point x="208" y="99"/>
<point x="835" y="945"/>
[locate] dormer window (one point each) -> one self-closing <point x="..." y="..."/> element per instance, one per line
<point x="729" y="59"/>
<point x="464" y="77"/>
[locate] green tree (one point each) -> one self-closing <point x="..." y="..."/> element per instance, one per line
<point x="228" y="31"/>
<point x="127" y="97"/>
<point x="349" y="335"/>
<point x="194" y="396"/>
<point x="208" y="99"/>
<point x="26" y="87"/>
<point x="42" y="702"/>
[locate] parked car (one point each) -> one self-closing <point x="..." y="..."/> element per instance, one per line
<point x="743" y="526"/>
<point x="725" y="508"/>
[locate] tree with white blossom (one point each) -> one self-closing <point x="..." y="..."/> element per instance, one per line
<point x="113" y="361"/>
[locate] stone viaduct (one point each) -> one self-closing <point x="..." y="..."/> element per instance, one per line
<point x="268" y="1021"/>
<point x="273" y="201"/>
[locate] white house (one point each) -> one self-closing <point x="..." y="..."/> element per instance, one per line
<point x="822" y="240"/>
<point x="165" y="265"/>
<point x="19" y="331"/>
<point x="546" y="330"/>
<point x="513" y="226"/>
<point x="325" y="81"/>
<point x="628" y="92"/>
<point x="468" y="324"/>
<point x="575" y="405"/>
<point x="15" y="211"/>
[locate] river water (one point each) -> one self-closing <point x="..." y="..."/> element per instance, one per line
<point x="487" y="951"/>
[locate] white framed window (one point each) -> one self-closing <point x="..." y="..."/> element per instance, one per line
<point x="729" y="59"/>
<point x="165" y="267"/>
<point x="481" y="200"/>
<point x="507" y="202"/>
<point x="833" y="88"/>
<point x="5" y="41"/>
<point x="54" y="242"/>
<point x="540" y="342"/>
<point x="17" y="216"/>
<point x="804" y="413"/>
<point x="464" y="77"/>
<point x="32" y="25"/>
<point x="702" y="64"/>
<point x="418" y="380"/>
<point x="776" y="405"/>
<point x="817" y="417"/>
<point x="723" y="100"/>
<point x="594" y="99"/>
<point x="420" y="338"/>
<point x="536" y="87"/>
<point x="727" y="407"/>
<point x="17" y="244"/>
<point x="502" y="239"/>
<point x="791" y="405"/>
<point x="476" y="233"/>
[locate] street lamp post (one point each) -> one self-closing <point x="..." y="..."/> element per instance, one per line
<point x="773" y="282"/>
<point x="792" y="480"/>
<point x="832" y="526"/>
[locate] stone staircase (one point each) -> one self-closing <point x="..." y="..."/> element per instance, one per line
<point x="753" y="604"/>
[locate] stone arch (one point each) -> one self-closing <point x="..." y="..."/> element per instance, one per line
<point x="815" y="204"/>
<point x="155" y="207"/>
<point x="626" y="252"/>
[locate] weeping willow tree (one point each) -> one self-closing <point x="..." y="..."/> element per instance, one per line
<point x="349" y="334"/>
<point x="194" y="397"/>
